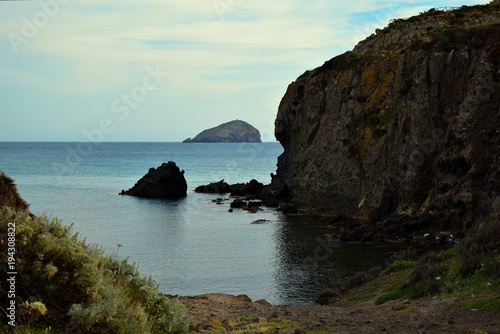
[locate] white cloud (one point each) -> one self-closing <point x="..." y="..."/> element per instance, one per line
<point x="103" y="47"/>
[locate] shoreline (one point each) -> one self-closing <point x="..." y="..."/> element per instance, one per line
<point x="224" y="313"/>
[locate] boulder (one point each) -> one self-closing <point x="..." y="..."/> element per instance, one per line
<point x="253" y="187"/>
<point x="220" y="187"/>
<point x="166" y="181"/>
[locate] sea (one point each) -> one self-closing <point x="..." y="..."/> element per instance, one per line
<point x="190" y="246"/>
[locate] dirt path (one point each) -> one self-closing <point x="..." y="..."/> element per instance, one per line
<point x="222" y="313"/>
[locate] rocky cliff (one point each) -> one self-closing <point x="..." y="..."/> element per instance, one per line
<point x="407" y="123"/>
<point x="231" y="132"/>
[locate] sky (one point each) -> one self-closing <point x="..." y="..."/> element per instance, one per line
<point x="164" y="70"/>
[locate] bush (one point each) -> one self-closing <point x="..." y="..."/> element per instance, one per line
<point x="485" y="242"/>
<point x="63" y="283"/>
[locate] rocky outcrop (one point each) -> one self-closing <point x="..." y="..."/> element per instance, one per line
<point x="232" y="132"/>
<point x="252" y="188"/>
<point x="166" y="181"/>
<point x="220" y="187"/>
<point x="405" y="124"/>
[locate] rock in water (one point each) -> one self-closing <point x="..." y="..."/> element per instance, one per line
<point x="220" y="187"/>
<point x="232" y="132"/>
<point x="166" y="181"/>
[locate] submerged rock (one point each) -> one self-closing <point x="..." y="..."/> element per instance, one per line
<point x="166" y="181"/>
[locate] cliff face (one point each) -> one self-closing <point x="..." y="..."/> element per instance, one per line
<point x="408" y="122"/>
<point x="231" y="132"/>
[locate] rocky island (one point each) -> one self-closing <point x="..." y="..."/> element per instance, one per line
<point x="231" y="132"/>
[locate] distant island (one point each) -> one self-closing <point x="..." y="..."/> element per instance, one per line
<point x="231" y="132"/>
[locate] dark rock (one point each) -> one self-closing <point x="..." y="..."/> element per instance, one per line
<point x="260" y="221"/>
<point x="253" y="187"/>
<point x="351" y="236"/>
<point x="220" y="187"/>
<point x="238" y="204"/>
<point x="166" y="181"/>
<point x="254" y="204"/>
<point x="231" y="132"/>
<point x="289" y="209"/>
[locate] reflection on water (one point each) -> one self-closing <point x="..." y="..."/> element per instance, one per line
<point x="308" y="259"/>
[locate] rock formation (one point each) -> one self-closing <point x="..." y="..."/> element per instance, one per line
<point x="232" y="132"/>
<point x="252" y="188"/>
<point x="220" y="187"/>
<point x="166" y="181"/>
<point x="407" y="123"/>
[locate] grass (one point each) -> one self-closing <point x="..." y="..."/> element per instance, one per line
<point x="398" y="308"/>
<point x="482" y="303"/>
<point x="393" y="295"/>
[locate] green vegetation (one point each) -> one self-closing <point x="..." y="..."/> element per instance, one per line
<point x="66" y="285"/>
<point x="468" y="272"/>
<point x="389" y="296"/>
<point x="9" y="196"/>
<point x="396" y="266"/>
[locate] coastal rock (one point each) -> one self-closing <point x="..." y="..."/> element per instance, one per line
<point x="220" y="187"/>
<point x="406" y="123"/>
<point x="231" y="132"/>
<point x="253" y="187"/>
<point x="166" y="181"/>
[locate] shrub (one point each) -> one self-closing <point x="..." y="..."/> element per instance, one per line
<point x="62" y="281"/>
<point x="9" y="197"/>
<point x="480" y="245"/>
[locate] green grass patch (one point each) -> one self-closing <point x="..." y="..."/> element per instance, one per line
<point x="398" y="265"/>
<point x="400" y="308"/>
<point x="389" y="296"/>
<point x="487" y="303"/>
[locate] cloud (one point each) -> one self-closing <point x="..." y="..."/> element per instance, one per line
<point x="213" y="49"/>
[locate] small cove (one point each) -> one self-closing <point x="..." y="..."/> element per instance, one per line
<point x="191" y="246"/>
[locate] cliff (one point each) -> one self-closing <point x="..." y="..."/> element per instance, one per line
<point x="407" y="123"/>
<point x="231" y="132"/>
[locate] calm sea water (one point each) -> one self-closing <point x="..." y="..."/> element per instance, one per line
<point x="191" y="246"/>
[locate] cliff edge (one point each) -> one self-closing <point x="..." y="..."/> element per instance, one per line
<point x="407" y="123"/>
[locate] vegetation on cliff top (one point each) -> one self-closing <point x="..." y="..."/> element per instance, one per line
<point x="64" y="284"/>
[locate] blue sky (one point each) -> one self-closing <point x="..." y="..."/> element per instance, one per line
<point x="164" y="70"/>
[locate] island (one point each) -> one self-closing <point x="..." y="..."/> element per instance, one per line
<point x="231" y="132"/>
